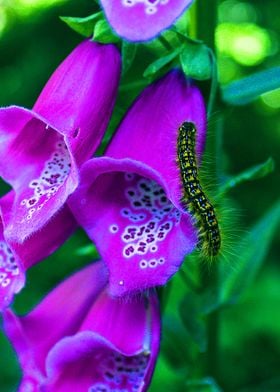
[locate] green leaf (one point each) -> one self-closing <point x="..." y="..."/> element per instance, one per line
<point x="196" y="61"/>
<point x="83" y="26"/>
<point x="249" y="256"/>
<point x="248" y="89"/>
<point x="104" y="34"/>
<point x="128" y="55"/>
<point x="190" y="311"/>
<point x="206" y="384"/>
<point x="157" y="65"/>
<point x="180" y="31"/>
<point x="253" y="173"/>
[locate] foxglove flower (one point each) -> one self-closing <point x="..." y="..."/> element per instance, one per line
<point x="141" y="20"/>
<point x="41" y="151"/>
<point x="79" y="338"/>
<point x="129" y="201"/>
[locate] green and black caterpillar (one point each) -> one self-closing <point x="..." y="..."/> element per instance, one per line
<point x="194" y="198"/>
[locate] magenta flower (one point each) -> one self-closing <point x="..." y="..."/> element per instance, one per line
<point x="141" y="20"/>
<point x="41" y="151"/>
<point x="129" y="201"/>
<point x="78" y="338"/>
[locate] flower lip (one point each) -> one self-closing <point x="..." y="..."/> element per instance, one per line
<point x="12" y="277"/>
<point x="110" y="365"/>
<point x="133" y="222"/>
<point x="150" y="17"/>
<point x="106" y="164"/>
<point x="100" y="341"/>
<point x="112" y="360"/>
<point x="46" y="177"/>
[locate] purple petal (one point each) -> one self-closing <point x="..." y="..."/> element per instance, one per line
<point x="150" y="128"/>
<point x="140" y="20"/>
<point x="136" y="241"/>
<point x="116" y="348"/>
<point x="81" y="338"/>
<point x="39" y="156"/>
<point x="140" y="234"/>
<point x="39" y="166"/>
<point x="87" y="362"/>
<point x="12" y="277"/>
<point x="45" y="241"/>
<point x="79" y="97"/>
<point x="59" y="314"/>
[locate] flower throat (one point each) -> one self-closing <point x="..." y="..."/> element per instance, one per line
<point x="194" y="197"/>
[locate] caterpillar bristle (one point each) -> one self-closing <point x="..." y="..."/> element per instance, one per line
<point x="194" y="198"/>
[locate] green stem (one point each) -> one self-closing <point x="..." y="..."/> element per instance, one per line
<point x="207" y="20"/>
<point x="192" y="25"/>
<point x="165" y="43"/>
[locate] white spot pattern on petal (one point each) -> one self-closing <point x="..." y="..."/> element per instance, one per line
<point x="152" y="263"/>
<point x="52" y="177"/>
<point x="114" y="229"/>
<point x="150" y="6"/>
<point x="151" y="217"/>
<point x="8" y="265"/>
<point x="120" y="373"/>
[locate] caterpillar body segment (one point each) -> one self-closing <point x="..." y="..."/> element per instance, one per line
<point x="194" y="198"/>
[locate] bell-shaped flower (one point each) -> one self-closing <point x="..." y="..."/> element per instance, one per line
<point x="42" y="149"/>
<point x="80" y="339"/>
<point x="141" y="20"/>
<point x="129" y="201"/>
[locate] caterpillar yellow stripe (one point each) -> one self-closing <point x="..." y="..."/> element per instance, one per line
<point x="194" y="197"/>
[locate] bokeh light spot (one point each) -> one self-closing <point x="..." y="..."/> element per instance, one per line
<point x="247" y="43"/>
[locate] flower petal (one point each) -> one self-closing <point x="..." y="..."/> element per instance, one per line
<point x="81" y="338"/>
<point x="58" y="315"/>
<point x="12" y="277"/>
<point x="45" y="241"/>
<point x="79" y="97"/>
<point x="132" y="222"/>
<point x="116" y="348"/>
<point x="87" y="362"/>
<point x="149" y="131"/>
<point x="39" y="156"/>
<point x="130" y="204"/>
<point x="39" y="166"/>
<point x="17" y="257"/>
<point x="140" y="20"/>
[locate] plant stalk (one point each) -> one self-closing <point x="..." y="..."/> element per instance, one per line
<point x="206" y="25"/>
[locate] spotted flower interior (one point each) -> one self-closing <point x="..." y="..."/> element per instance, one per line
<point x="150" y="16"/>
<point x="141" y="235"/>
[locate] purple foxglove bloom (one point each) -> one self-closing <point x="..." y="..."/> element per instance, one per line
<point x="129" y="202"/>
<point x="79" y="338"/>
<point x="141" y="20"/>
<point x="42" y="149"/>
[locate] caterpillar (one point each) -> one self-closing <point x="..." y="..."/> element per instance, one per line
<point x="194" y="198"/>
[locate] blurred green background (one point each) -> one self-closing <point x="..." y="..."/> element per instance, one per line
<point x="33" y="41"/>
